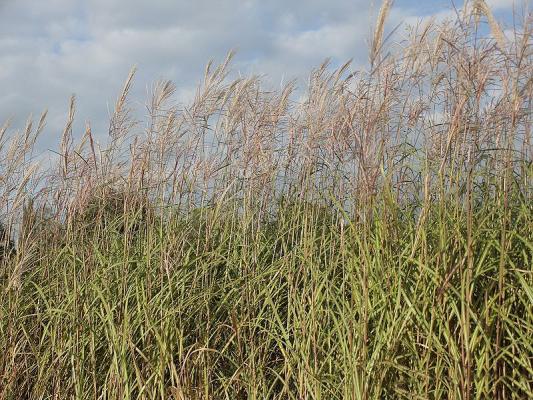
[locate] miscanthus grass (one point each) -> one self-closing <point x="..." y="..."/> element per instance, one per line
<point x="373" y="241"/>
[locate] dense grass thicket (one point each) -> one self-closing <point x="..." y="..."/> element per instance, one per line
<point x="372" y="241"/>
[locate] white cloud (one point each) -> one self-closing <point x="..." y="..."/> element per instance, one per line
<point x="50" y="49"/>
<point x="503" y="4"/>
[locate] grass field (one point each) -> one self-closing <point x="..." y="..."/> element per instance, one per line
<point x="372" y="241"/>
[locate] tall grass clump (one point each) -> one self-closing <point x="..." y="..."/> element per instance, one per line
<point x="373" y="241"/>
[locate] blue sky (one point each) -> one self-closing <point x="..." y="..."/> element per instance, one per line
<point x="51" y="49"/>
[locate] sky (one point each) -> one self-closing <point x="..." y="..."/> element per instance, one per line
<point x="51" y="49"/>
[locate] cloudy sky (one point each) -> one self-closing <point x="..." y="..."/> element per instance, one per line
<point x="50" y="49"/>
